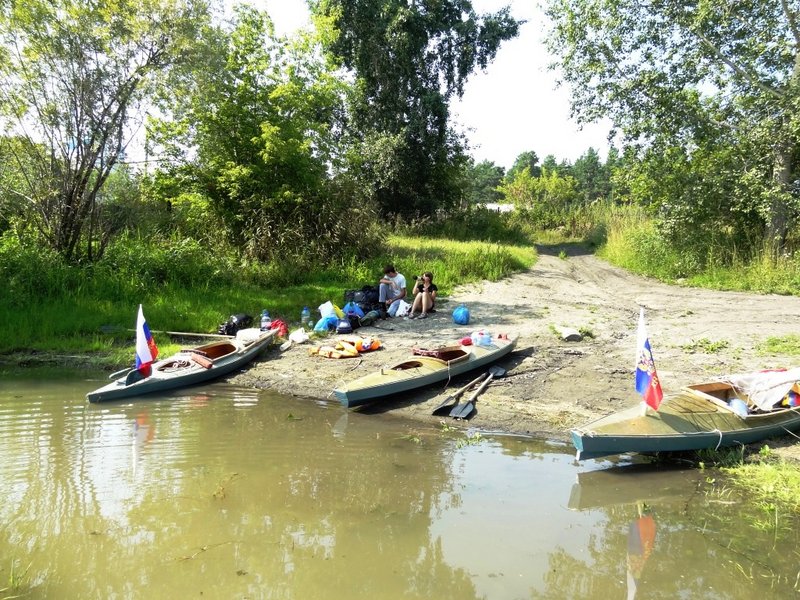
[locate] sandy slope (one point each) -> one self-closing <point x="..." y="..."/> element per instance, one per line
<point x="552" y="385"/>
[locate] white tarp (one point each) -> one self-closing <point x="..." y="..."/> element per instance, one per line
<point x="765" y="388"/>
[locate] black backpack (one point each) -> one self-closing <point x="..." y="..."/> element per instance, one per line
<point x="366" y="298"/>
<point x="235" y="323"/>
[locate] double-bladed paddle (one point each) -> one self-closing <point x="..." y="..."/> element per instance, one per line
<point x="463" y="411"/>
<point x="452" y="399"/>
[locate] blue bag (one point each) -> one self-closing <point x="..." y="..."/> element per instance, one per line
<point x="351" y="308"/>
<point x="461" y="315"/>
<point x="328" y="323"/>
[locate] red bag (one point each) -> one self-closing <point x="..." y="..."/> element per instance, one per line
<point x="283" y="330"/>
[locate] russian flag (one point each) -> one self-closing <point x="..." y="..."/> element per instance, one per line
<point x="146" y="350"/>
<point x="647" y="383"/>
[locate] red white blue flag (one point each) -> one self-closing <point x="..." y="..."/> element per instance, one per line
<point x="146" y="350"/>
<point x="647" y="383"/>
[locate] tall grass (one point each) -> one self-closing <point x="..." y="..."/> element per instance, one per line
<point x="630" y="238"/>
<point x="50" y="306"/>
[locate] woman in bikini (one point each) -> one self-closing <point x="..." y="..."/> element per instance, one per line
<point x="424" y="296"/>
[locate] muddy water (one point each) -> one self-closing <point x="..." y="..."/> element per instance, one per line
<point x="225" y="492"/>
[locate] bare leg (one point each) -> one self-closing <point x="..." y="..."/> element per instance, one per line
<point x="417" y="306"/>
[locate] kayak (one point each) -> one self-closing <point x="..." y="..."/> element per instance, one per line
<point x="188" y="367"/>
<point x="423" y="368"/>
<point x="731" y="411"/>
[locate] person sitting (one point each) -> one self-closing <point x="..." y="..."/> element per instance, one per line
<point x="392" y="287"/>
<point x="424" y="296"/>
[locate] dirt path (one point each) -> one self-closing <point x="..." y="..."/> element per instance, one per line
<point x="552" y="385"/>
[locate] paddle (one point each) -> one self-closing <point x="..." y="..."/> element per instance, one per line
<point x="120" y="373"/>
<point x="462" y="411"/>
<point x="452" y="399"/>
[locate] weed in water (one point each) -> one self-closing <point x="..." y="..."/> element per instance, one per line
<point x="16" y="580"/>
<point x="562" y="255"/>
<point x="469" y="440"/>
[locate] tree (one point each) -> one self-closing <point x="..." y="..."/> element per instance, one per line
<point x="410" y="59"/>
<point x="483" y="180"/>
<point x="710" y="76"/>
<point x="254" y="131"/>
<point x="591" y="176"/>
<point x="527" y="159"/>
<point x="73" y="77"/>
<point x="546" y="200"/>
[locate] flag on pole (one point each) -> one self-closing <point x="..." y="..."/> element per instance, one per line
<point x="146" y="350"/>
<point x="647" y="383"/>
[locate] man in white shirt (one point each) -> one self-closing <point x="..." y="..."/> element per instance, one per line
<point x="392" y="287"/>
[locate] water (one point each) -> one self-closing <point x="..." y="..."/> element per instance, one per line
<point x="225" y="492"/>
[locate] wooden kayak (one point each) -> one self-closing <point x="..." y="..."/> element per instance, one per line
<point x="702" y="416"/>
<point x="422" y="369"/>
<point x="188" y="367"/>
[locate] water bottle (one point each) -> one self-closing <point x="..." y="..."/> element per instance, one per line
<point x="305" y="318"/>
<point x="265" y="320"/>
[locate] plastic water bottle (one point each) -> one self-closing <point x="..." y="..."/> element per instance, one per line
<point x="265" y="320"/>
<point x="305" y="318"/>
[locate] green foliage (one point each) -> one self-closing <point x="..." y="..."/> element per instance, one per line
<point x="630" y="238"/>
<point x="784" y="345"/>
<point x="469" y="439"/>
<point x="545" y="201"/>
<point x="70" y="93"/>
<point x="473" y="223"/>
<point x="253" y="130"/>
<point x="526" y="160"/>
<point x="410" y="60"/>
<point x="701" y="203"/>
<point x="770" y="481"/>
<point x="482" y="181"/>
<point x="729" y="457"/>
<point x="706" y="345"/>
<point x="712" y="110"/>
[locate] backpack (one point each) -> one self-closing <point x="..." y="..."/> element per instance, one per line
<point x="366" y="298"/>
<point x="235" y="323"/>
<point x="370" y="318"/>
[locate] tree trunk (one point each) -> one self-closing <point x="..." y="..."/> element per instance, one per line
<point x="779" y="209"/>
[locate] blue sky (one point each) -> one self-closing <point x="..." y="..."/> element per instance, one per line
<point x="512" y="107"/>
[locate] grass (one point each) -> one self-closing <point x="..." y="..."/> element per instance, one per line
<point x="787" y="345"/>
<point x="97" y="318"/>
<point x="706" y="345"/>
<point x="634" y="240"/>
<point x="16" y="581"/>
<point x="771" y="482"/>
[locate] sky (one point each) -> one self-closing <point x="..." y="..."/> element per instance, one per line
<point x="513" y="106"/>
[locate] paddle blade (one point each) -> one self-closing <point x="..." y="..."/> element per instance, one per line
<point x="463" y="411"/>
<point x="452" y="399"/>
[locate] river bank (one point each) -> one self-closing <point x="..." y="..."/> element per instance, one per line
<point x="552" y="385"/>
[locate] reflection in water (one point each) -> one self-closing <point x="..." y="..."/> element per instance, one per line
<point x="641" y="539"/>
<point x="237" y="493"/>
<point x="143" y="433"/>
<point x="707" y="547"/>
